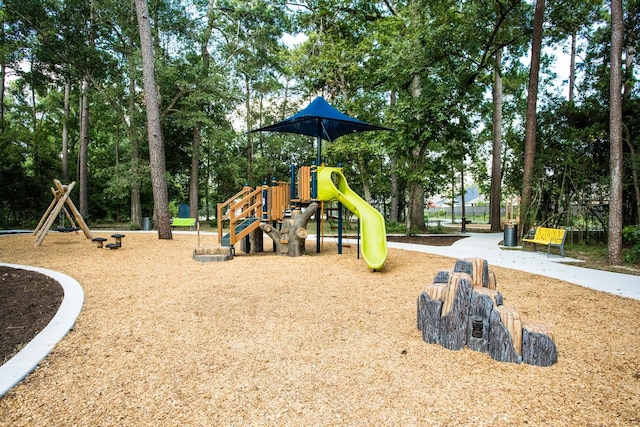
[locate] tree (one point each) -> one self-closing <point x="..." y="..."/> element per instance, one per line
<point x="496" y="158"/>
<point x="154" y="128"/>
<point x="530" y="123"/>
<point x="615" y="134"/>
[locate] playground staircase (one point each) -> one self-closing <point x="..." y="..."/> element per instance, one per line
<point x="242" y="229"/>
<point x="243" y="212"/>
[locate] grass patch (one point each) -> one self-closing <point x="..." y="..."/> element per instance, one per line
<point x="596" y="256"/>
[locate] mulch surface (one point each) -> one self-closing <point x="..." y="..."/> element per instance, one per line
<point x="317" y="340"/>
<point x="29" y="302"/>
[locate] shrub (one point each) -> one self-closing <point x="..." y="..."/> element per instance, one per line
<point x="395" y="227"/>
<point x="133" y="226"/>
<point x="631" y="234"/>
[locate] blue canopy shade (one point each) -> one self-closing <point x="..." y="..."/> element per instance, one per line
<point x="321" y="120"/>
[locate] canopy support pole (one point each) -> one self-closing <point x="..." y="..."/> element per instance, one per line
<point x="319" y="211"/>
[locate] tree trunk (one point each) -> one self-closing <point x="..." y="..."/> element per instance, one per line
<point x="463" y="202"/>
<point x="453" y="195"/>
<point x="572" y="68"/>
<point x="65" y="132"/>
<point x="3" y="76"/>
<point x="83" y="157"/>
<point x="415" y="215"/>
<point x="291" y="238"/>
<point x="366" y="190"/>
<point x="495" y="198"/>
<point x="615" y="134"/>
<point x="627" y="89"/>
<point x="628" y="80"/>
<point x="194" y="182"/>
<point x="154" y="129"/>
<point x="393" y="208"/>
<point x="530" y="127"/>
<point x="83" y="167"/>
<point x="247" y="101"/>
<point x="633" y="162"/>
<point x="132" y="131"/>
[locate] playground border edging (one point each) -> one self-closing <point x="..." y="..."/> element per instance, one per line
<point x="26" y="361"/>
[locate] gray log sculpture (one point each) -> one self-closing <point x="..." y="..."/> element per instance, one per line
<point x="291" y="238"/>
<point x="455" y="308"/>
<point x="538" y="347"/>
<point x="503" y="345"/>
<point x="429" y="318"/>
<point x="478" y="331"/>
<point x="256" y="244"/>
<point x="442" y="276"/>
<point x="452" y="313"/>
<point x="478" y="269"/>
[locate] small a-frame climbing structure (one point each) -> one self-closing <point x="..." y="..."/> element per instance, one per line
<point x="61" y="198"/>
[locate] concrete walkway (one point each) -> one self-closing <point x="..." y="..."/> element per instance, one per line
<point x="486" y="245"/>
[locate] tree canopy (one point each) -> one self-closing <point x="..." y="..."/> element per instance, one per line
<point x="222" y="67"/>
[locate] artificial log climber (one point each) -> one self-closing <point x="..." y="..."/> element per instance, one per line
<point x="462" y="307"/>
<point x="290" y="239"/>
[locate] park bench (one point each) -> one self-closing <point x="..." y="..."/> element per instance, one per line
<point x="183" y="222"/>
<point x="548" y="237"/>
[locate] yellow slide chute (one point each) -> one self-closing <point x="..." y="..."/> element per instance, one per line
<point x="374" y="235"/>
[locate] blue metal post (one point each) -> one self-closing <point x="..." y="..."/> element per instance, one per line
<point x="314" y="195"/>
<point x="314" y="180"/>
<point x="265" y="205"/>
<point x="339" y="228"/>
<point x="339" y="223"/>
<point x="358" y="238"/>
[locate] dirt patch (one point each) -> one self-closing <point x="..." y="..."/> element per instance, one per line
<point x="317" y="340"/>
<point x="29" y="302"/>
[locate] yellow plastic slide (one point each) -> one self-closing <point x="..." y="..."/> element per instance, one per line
<point x="374" y="235"/>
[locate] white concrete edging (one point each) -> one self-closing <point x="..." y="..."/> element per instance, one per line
<point x="23" y="363"/>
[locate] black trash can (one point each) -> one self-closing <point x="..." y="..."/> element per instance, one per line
<point x="511" y="235"/>
<point x="146" y="223"/>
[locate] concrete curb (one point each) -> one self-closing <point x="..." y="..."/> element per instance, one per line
<point x="23" y="363"/>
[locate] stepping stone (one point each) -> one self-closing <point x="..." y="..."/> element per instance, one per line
<point x="99" y="241"/>
<point x="118" y="238"/>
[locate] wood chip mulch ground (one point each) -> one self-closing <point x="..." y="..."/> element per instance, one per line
<point x="264" y="340"/>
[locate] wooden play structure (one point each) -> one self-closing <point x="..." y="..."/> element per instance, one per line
<point x="61" y="203"/>
<point x="463" y="308"/>
<point x="268" y="209"/>
<point x="283" y="213"/>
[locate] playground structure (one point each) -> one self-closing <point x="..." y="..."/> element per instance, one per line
<point x="277" y="210"/>
<point x="61" y="203"/>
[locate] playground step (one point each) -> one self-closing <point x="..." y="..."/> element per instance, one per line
<point x="226" y="239"/>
